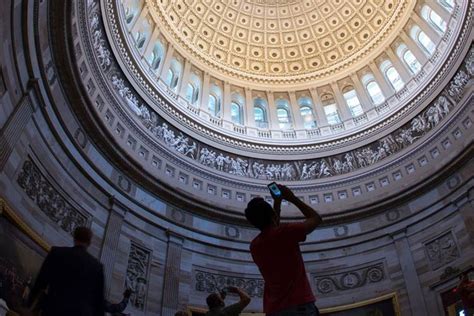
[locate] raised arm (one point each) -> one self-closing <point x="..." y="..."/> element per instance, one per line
<point x="313" y="219"/>
<point x="244" y="299"/>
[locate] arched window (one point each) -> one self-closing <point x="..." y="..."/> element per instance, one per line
<point x="190" y="93"/>
<point x="129" y="15"/>
<point x="375" y="92"/>
<point x="373" y="89"/>
<point x="260" y="112"/>
<point x="426" y="42"/>
<point x="236" y="113"/>
<point x="448" y="4"/>
<point x="306" y="112"/>
<point x="433" y="19"/>
<point x="130" y="9"/>
<point x="237" y="108"/>
<point x="392" y="75"/>
<point x="423" y="40"/>
<point x="411" y="62"/>
<point x="192" y="89"/>
<point x="140" y="39"/>
<point x="172" y="75"/>
<point x="352" y="101"/>
<point x="283" y="114"/>
<point x="156" y="56"/>
<point x="330" y="109"/>
<point x="214" y="104"/>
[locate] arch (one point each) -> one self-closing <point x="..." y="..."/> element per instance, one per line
<point x="173" y="74"/>
<point x="391" y="75"/>
<point x="433" y="19"/>
<point x="236" y="108"/>
<point x="130" y="10"/>
<point x="215" y="100"/>
<point x="193" y="89"/>
<point x="283" y="113"/>
<point x="352" y="101"/>
<point x="306" y="112"/>
<point x="448" y="4"/>
<point x="260" y="106"/>
<point x="408" y="58"/>
<point x="330" y="109"/>
<point x="423" y="40"/>
<point x="142" y="33"/>
<point x="373" y="89"/>
<point x="156" y="55"/>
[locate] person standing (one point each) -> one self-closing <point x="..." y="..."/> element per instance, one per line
<point x="216" y="304"/>
<point x="466" y="291"/>
<point x="277" y="254"/>
<point x="73" y="279"/>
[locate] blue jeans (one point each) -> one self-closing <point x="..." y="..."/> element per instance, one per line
<point x="308" y="309"/>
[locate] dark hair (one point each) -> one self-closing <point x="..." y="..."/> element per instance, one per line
<point x="83" y="235"/>
<point x="259" y="213"/>
<point x="213" y="300"/>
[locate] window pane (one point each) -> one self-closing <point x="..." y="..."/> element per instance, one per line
<point x="375" y="93"/>
<point x="235" y="113"/>
<point x="411" y="61"/>
<point x="190" y="93"/>
<point x="426" y="42"/>
<point x="307" y="115"/>
<point x="169" y="77"/>
<point x="332" y="114"/>
<point x="283" y="116"/>
<point x="394" y="78"/>
<point x="258" y="114"/>
<point x="437" y="21"/>
<point x="353" y="103"/>
<point x="212" y="105"/>
<point x="449" y="4"/>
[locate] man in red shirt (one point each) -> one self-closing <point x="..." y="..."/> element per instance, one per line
<point x="466" y="291"/>
<point x="277" y="254"/>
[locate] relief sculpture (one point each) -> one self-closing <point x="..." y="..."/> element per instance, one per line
<point x="212" y="282"/>
<point x="49" y="201"/>
<point x="442" y="251"/>
<point x="137" y="274"/>
<point x="350" y="279"/>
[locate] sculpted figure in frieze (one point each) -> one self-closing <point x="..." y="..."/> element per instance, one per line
<point x="301" y="170"/>
<point x="136" y="275"/>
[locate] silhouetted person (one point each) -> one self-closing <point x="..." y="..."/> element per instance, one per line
<point x="466" y="291"/>
<point x="181" y="313"/>
<point x="117" y="309"/>
<point x="73" y="278"/>
<point x="277" y="254"/>
<point x="217" y="307"/>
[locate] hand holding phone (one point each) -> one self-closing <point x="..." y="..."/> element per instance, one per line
<point x="274" y="190"/>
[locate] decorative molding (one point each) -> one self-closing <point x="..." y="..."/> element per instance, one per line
<point x="350" y="280"/>
<point x="137" y="275"/>
<point x="442" y="250"/>
<point x="210" y="282"/>
<point x="304" y="170"/>
<point x="9" y="213"/>
<point x="48" y="199"/>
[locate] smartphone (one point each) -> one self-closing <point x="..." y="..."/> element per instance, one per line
<point x="273" y="187"/>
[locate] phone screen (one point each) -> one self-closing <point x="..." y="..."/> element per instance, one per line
<point x="274" y="189"/>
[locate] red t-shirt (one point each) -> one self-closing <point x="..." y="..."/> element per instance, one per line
<point x="467" y="296"/>
<point x="277" y="254"/>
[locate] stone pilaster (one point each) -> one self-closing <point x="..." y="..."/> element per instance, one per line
<point x="16" y="123"/>
<point x="172" y="274"/>
<point x="412" y="282"/>
<point x="111" y="240"/>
